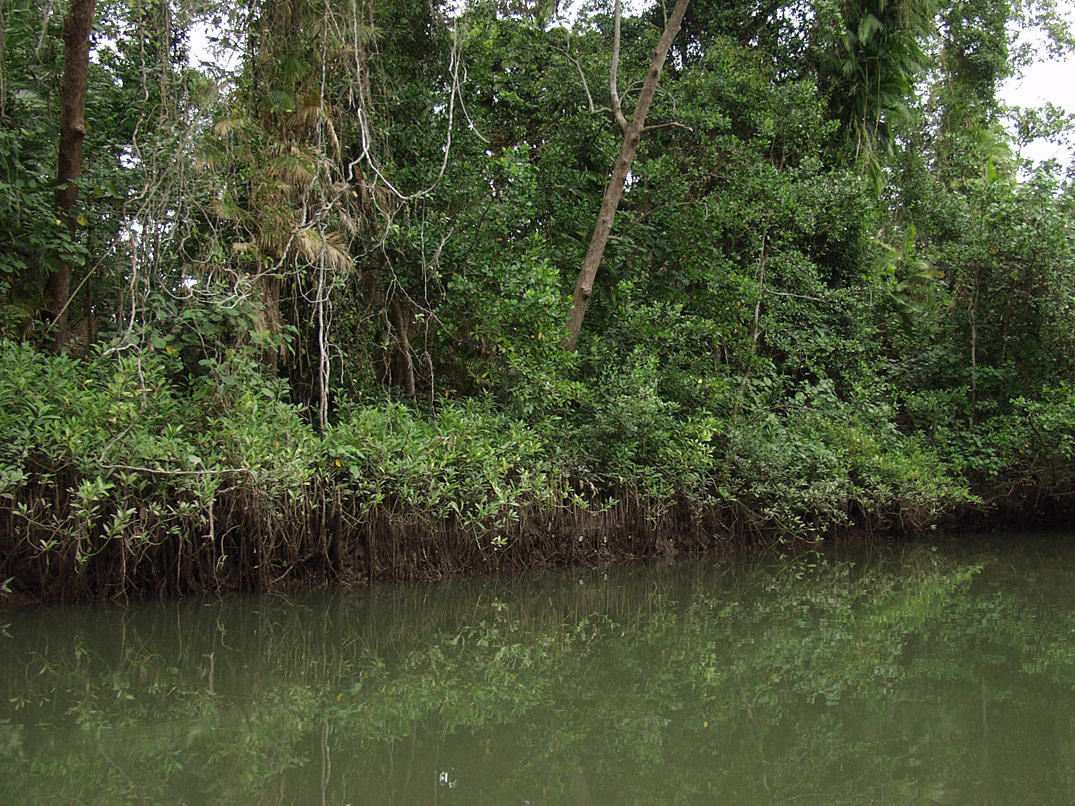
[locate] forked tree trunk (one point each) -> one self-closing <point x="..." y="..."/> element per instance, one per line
<point x="77" y="26"/>
<point x="632" y="134"/>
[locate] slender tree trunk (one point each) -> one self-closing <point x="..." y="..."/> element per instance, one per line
<point x="755" y="330"/>
<point x="269" y="320"/>
<point x="77" y="26"/>
<point x="974" y="345"/>
<point x="632" y="134"/>
<point x="405" y="371"/>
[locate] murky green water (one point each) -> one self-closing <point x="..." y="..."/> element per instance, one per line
<point x="888" y="675"/>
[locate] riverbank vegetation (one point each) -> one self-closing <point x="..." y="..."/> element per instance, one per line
<point x="309" y="315"/>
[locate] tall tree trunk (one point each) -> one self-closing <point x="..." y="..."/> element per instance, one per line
<point x="77" y="26"/>
<point x="405" y="362"/>
<point x="269" y="320"/>
<point x="632" y="134"/>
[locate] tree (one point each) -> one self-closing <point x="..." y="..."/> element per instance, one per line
<point x="77" y="28"/>
<point x="874" y="54"/>
<point x="632" y="135"/>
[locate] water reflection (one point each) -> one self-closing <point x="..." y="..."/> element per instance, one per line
<point x="886" y="675"/>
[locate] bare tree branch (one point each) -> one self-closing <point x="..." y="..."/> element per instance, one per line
<point x="613" y="71"/>
<point x="582" y="75"/>
<point x="656" y="126"/>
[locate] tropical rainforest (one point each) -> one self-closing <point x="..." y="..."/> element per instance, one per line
<point x="304" y="291"/>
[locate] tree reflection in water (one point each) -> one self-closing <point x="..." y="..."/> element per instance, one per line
<point x="884" y="676"/>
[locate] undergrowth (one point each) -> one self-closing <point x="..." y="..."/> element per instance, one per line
<point x="121" y="475"/>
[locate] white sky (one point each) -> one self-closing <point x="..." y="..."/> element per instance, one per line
<point x="1044" y="82"/>
<point x="1049" y="80"/>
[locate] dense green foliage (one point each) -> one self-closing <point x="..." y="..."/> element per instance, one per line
<point x="321" y="280"/>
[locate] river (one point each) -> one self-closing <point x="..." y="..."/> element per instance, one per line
<point x="898" y="673"/>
